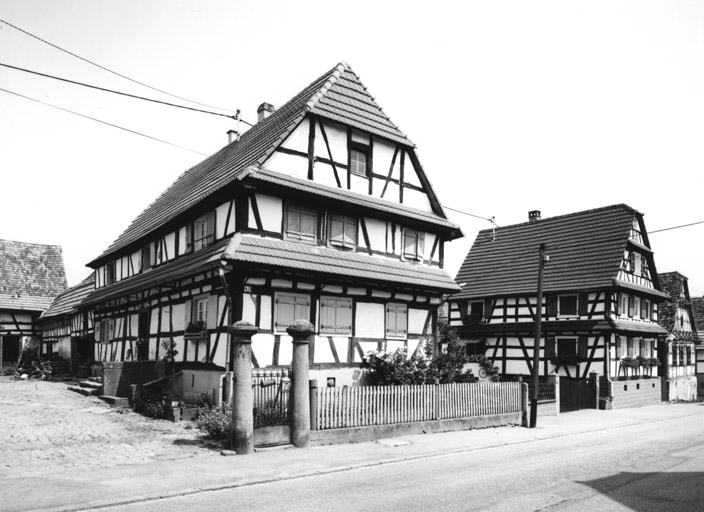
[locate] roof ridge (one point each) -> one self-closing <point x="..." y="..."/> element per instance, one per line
<point x="334" y="77"/>
<point x="563" y="216"/>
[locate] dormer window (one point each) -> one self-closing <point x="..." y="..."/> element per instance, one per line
<point x="360" y="151"/>
<point x="110" y="273"/>
<point x="146" y="258"/>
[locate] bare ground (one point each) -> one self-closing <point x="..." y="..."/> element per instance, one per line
<point x="45" y="428"/>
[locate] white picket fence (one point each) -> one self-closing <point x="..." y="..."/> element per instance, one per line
<point x="361" y="406"/>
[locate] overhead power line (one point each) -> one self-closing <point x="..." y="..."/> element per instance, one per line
<point x="102" y="122"/>
<point x="103" y="89"/>
<point x="471" y="214"/>
<point x="107" y="69"/>
<point x="676" y="227"/>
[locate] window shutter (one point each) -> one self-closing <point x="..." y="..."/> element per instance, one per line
<point x="189" y="238"/>
<point x="618" y="303"/>
<point x="464" y="307"/>
<point x="212" y="319"/>
<point x="210" y="226"/>
<point x="111" y="330"/>
<point x="97" y="331"/>
<point x="631" y="305"/>
<point x="552" y="305"/>
<point x="583" y="303"/>
<point x="344" y="317"/>
<point x="550" y="348"/>
<point x="327" y="315"/>
<point x="488" y="310"/>
<point x="285" y="312"/>
<point x="632" y="261"/>
<point x="421" y="246"/>
<point x="188" y="312"/>
<point x="582" y="347"/>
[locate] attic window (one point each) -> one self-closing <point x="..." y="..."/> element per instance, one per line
<point x="360" y="153"/>
<point x="567" y="305"/>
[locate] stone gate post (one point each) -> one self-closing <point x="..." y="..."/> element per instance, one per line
<point x="242" y="439"/>
<point x="301" y="332"/>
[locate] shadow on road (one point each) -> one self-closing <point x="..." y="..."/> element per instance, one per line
<point x="654" y="492"/>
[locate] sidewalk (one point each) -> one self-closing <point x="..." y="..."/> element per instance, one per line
<point x="211" y="471"/>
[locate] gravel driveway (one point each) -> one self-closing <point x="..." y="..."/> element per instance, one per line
<point x="46" y="428"/>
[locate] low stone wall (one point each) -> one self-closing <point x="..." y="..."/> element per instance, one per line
<point x="364" y="434"/>
<point x="636" y="393"/>
<point x="548" y="408"/>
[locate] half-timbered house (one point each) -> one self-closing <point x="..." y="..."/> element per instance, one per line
<point x="599" y="307"/>
<point x="66" y="330"/>
<point x="320" y="211"/>
<point x="698" y="314"/>
<point x="677" y="350"/>
<point x="31" y="275"/>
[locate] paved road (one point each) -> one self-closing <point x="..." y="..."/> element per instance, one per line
<point x="656" y="466"/>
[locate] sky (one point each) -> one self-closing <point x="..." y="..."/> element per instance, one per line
<point x="558" y="106"/>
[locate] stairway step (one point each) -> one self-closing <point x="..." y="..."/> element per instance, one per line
<point x="90" y="384"/>
<point x="117" y="401"/>
<point x="85" y="391"/>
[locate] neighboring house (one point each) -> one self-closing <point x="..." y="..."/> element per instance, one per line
<point x="31" y="275"/>
<point x="66" y="330"/>
<point x="677" y="352"/>
<point x="600" y="303"/>
<point x="698" y="313"/>
<point x="321" y="211"/>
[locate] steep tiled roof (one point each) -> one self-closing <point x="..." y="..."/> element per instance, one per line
<point x="31" y="275"/>
<point x="182" y="267"/>
<point x="337" y="95"/>
<point x="331" y="262"/>
<point x="673" y="284"/>
<point x="348" y="196"/>
<point x="585" y="251"/>
<point x="68" y="301"/>
<point x="698" y="311"/>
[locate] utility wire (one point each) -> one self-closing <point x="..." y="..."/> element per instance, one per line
<point x="103" y="122"/>
<point x="106" y="69"/>
<point x="82" y="84"/>
<point x="471" y="214"/>
<point x="676" y="227"/>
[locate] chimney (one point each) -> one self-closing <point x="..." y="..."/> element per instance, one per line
<point x="232" y="135"/>
<point x="533" y="215"/>
<point x="264" y="111"/>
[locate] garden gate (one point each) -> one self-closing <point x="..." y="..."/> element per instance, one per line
<point x="576" y="394"/>
<point x="272" y="397"/>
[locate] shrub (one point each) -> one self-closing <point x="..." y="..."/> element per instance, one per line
<point x="216" y="422"/>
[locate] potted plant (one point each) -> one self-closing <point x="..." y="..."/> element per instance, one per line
<point x="196" y="331"/>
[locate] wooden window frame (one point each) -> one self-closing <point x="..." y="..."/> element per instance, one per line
<point x="292" y="210"/>
<point x="359" y="149"/>
<point x="337" y="303"/>
<point x="347" y="222"/>
<point x="418" y="244"/>
<point x="572" y="340"/>
<point x="393" y="308"/>
<point x="560" y="313"/>
<point x="202" y="231"/>
<point x="363" y="148"/>
<point x="280" y="327"/>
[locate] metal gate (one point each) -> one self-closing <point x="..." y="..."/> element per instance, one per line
<point x="576" y="394"/>
<point x="272" y="397"/>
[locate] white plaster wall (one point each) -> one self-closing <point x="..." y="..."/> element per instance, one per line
<point x="369" y="320"/>
<point x="376" y="229"/>
<point x="178" y="314"/>
<point x="270" y="212"/>
<point x="221" y="220"/>
<point x="416" y="199"/>
<point x="416" y="320"/>
<point x="249" y="308"/>
<point x="263" y="348"/>
<point x="359" y="184"/>
<point x="383" y="155"/>
<point x="298" y="139"/>
<point x="324" y="173"/>
<point x="266" y="315"/>
<point x="337" y="139"/>
<point x="182" y="247"/>
<point x="293" y="165"/>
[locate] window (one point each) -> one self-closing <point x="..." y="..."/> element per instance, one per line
<point x="641" y="348"/>
<point x="644" y="267"/>
<point x="620" y="347"/>
<point x="624" y="304"/>
<point x="629" y="352"/>
<point x="358" y="162"/>
<point x="335" y="315"/>
<point x="360" y="151"/>
<point x="203" y="230"/>
<point x="105" y="330"/>
<point x="146" y="258"/>
<point x="566" y="346"/>
<point x="567" y="305"/>
<point x="110" y="273"/>
<point x="289" y="307"/>
<point x="200" y="310"/>
<point x="343" y="231"/>
<point x="413" y="244"/>
<point x="476" y="308"/>
<point x="301" y="224"/>
<point x="396" y="320"/>
<point x="636" y="307"/>
<point x="645" y="309"/>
